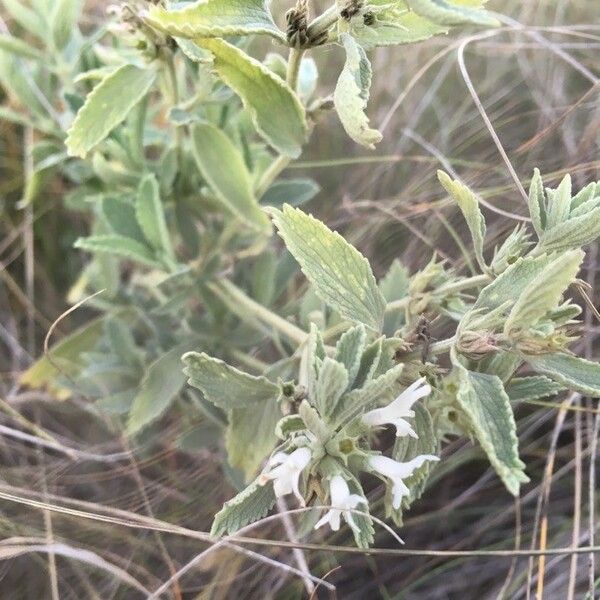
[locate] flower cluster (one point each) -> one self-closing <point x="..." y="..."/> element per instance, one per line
<point x="286" y="469"/>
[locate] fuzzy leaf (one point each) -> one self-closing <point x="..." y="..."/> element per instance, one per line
<point x="571" y="371"/>
<point x="224" y="385"/>
<point x="574" y="233"/>
<point x="17" y="46"/>
<point x="250" y="435"/>
<point x="107" y="106"/>
<point x="537" y="203"/>
<point x="349" y="349"/>
<point x="532" y="388"/>
<point x="119" y="215"/>
<point x="544" y="292"/>
<point x="331" y="384"/>
<point x="119" y="245"/>
<point x="162" y="382"/>
<point x="216" y="18"/>
<point x="65" y="14"/>
<point x="223" y="167"/>
<point x="559" y="204"/>
<point x="483" y="399"/>
<point x="276" y="111"/>
<point x="444" y="12"/>
<point x="352" y="94"/>
<point x="469" y="205"/>
<point x="511" y="283"/>
<point x="150" y="215"/>
<point x="248" y="506"/>
<point x="341" y="276"/>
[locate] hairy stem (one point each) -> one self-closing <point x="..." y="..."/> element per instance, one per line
<point x="323" y="22"/>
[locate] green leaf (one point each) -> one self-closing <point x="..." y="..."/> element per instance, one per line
<point x="150" y="215"/>
<point x="119" y="245"/>
<point x="63" y="20"/>
<point x="448" y="13"/>
<point x="521" y="389"/>
<point x="216" y="18"/>
<point x="544" y="292"/>
<point x="484" y="400"/>
<point x="107" y="106"/>
<point x="224" y="385"/>
<point x="161" y="384"/>
<point x="250" y="436"/>
<point x="573" y="372"/>
<point x="66" y="355"/>
<point x="248" y="506"/>
<point x="405" y="449"/>
<point x="18" y="47"/>
<point x="294" y="192"/>
<point x="331" y="384"/>
<point x="18" y="86"/>
<point x="511" y="283"/>
<point x="394" y="25"/>
<point x="352" y="94"/>
<point x="349" y="350"/>
<point x="469" y="205"/>
<point x="341" y="276"/>
<point x="223" y="167"/>
<point x="574" y="233"/>
<point x="27" y="18"/>
<point x="119" y="214"/>
<point x="559" y="204"/>
<point x="537" y="203"/>
<point x="276" y="111"/>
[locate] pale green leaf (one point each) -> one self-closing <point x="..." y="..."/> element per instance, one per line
<point x="331" y="384"/>
<point x="445" y="12"/>
<point x="352" y="94"/>
<point x="469" y="205"/>
<point x="27" y="18"/>
<point x="216" y="18"/>
<point x="119" y="245"/>
<point x="18" y="47"/>
<point x="63" y="20"/>
<point x="250" y="435"/>
<point x="18" y="86"/>
<point x="511" y="283"/>
<point x="193" y="51"/>
<point x="150" y="215"/>
<point x="162" y="382"/>
<point x="544" y="292"/>
<point x="248" y="506"/>
<point x="537" y="203"/>
<point x="484" y="400"/>
<point x="224" y="385"/>
<point x="107" y="106"/>
<point x="585" y="194"/>
<point x="341" y="276"/>
<point x="571" y="371"/>
<point x="574" y="233"/>
<point x="349" y="350"/>
<point x="223" y="167"/>
<point x="559" y="204"/>
<point x="521" y="389"/>
<point x="276" y="111"/>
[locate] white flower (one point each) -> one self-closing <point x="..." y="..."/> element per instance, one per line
<point x="286" y="475"/>
<point x="397" y="471"/>
<point x="401" y="407"/>
<point x="342" y="502"/>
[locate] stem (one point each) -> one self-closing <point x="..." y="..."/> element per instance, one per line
<point x="457" y="286"/>
<point x="293" y="67"/>
<point x="323" y="22"/>
<point x="245" y="307"/>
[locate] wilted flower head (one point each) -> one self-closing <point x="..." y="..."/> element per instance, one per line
<point x="401" y="407"/>
<point x="342" y="502"/>
<point x="397" y="471"/>
<point x="286" y="471"/>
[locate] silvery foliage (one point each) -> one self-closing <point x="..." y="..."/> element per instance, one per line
<point x="172" y="137"/>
